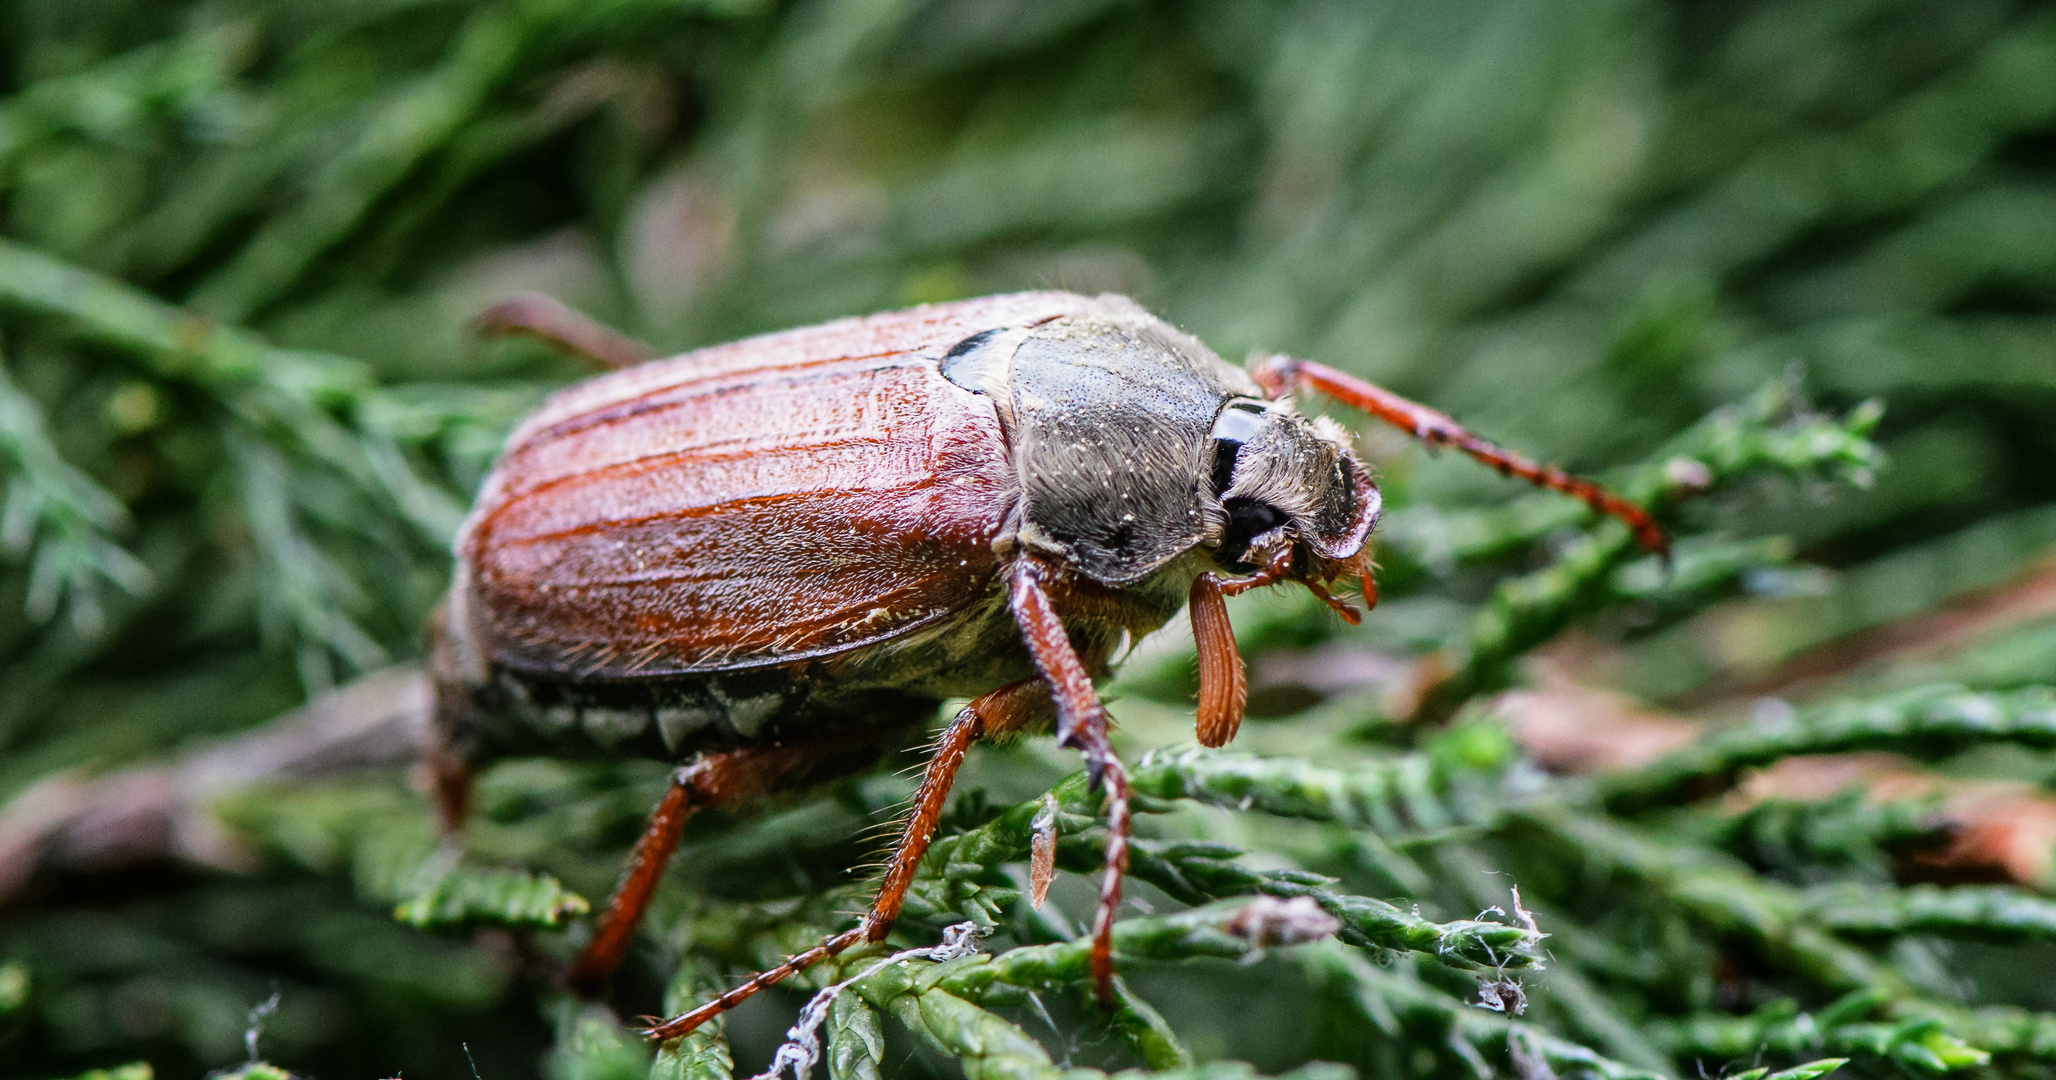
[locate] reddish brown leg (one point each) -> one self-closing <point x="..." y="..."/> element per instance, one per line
<point x="711" y="781"/>
<point x="1081" y="723"/>
<point x="553" y="322"/>
<point x="645" y="867"/>
<point x="1009" y="708"/>
<point x="1223" y="687"/>
<point x="1281" y="374"/>
<point x="452" y="777"/>
<point x="449" y="768"/>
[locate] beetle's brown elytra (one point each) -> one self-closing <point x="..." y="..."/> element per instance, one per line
<point x="772" y="558"/>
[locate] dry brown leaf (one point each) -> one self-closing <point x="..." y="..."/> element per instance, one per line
<point x="1573" y="728"/>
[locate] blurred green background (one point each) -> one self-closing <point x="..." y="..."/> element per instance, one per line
<point x="241" y="414"/>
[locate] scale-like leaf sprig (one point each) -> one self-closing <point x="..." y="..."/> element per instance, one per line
<point x="1399" y="1004"/>
<point x="300" y="422"/>
<point x="945" y="1004"/>
<point x="1200" y="872"/>
<point x="1927" y="721"/>
<point x="1771" y="431"/>
<point x="1921" y="1044"/>
<point x="1794" y="837"/>
<point x="59" y="521"/>
<point x="1990" y="912"/>
<point x="1781" y="924"/>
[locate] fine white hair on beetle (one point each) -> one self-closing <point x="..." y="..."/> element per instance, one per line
<point x="1331" y="429"/>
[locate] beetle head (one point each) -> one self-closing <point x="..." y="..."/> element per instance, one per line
<point x="1282" y="482"/>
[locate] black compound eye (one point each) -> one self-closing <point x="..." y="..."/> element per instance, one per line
<point x="1247" y="520"/>
<point x="1238" y="422"/>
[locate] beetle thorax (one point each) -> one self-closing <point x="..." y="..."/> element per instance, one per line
<point x="1107" y="422"/>
<point x="1134" y="444"/>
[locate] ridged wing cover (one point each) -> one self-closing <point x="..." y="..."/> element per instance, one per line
<point x="782" y="498"/>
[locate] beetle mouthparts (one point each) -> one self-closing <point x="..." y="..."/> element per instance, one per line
<point x="1339" y="606"/>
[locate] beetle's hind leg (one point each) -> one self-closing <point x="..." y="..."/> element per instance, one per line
<point x="1009" y="708"/>
<point x="553" y="322"/>
<point x="645" y="866"/>
<point x="711" y="781"/>
<point x="1280" y="375"/>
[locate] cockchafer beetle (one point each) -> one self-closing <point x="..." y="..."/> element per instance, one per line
<point x="772" y="557"/>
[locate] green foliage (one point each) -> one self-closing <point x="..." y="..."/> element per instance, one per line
<point x="1782" y="270"/>
<point x="460" y="900"/>
<point x="14" y="987"/>
<point x="256" y="1070"/>
<point x="1928" y="721"/>
<point x="135" y="1070"/>
<point x="62" y="517"/>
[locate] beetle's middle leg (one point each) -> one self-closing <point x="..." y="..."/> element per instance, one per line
<point x="1007" y="709"/>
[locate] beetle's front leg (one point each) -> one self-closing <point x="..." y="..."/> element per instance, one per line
<point x="1280" y="375"/>
<point x="1081" y="723"/>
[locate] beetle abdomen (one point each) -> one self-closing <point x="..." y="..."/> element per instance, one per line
<point x="669" y="718"/>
